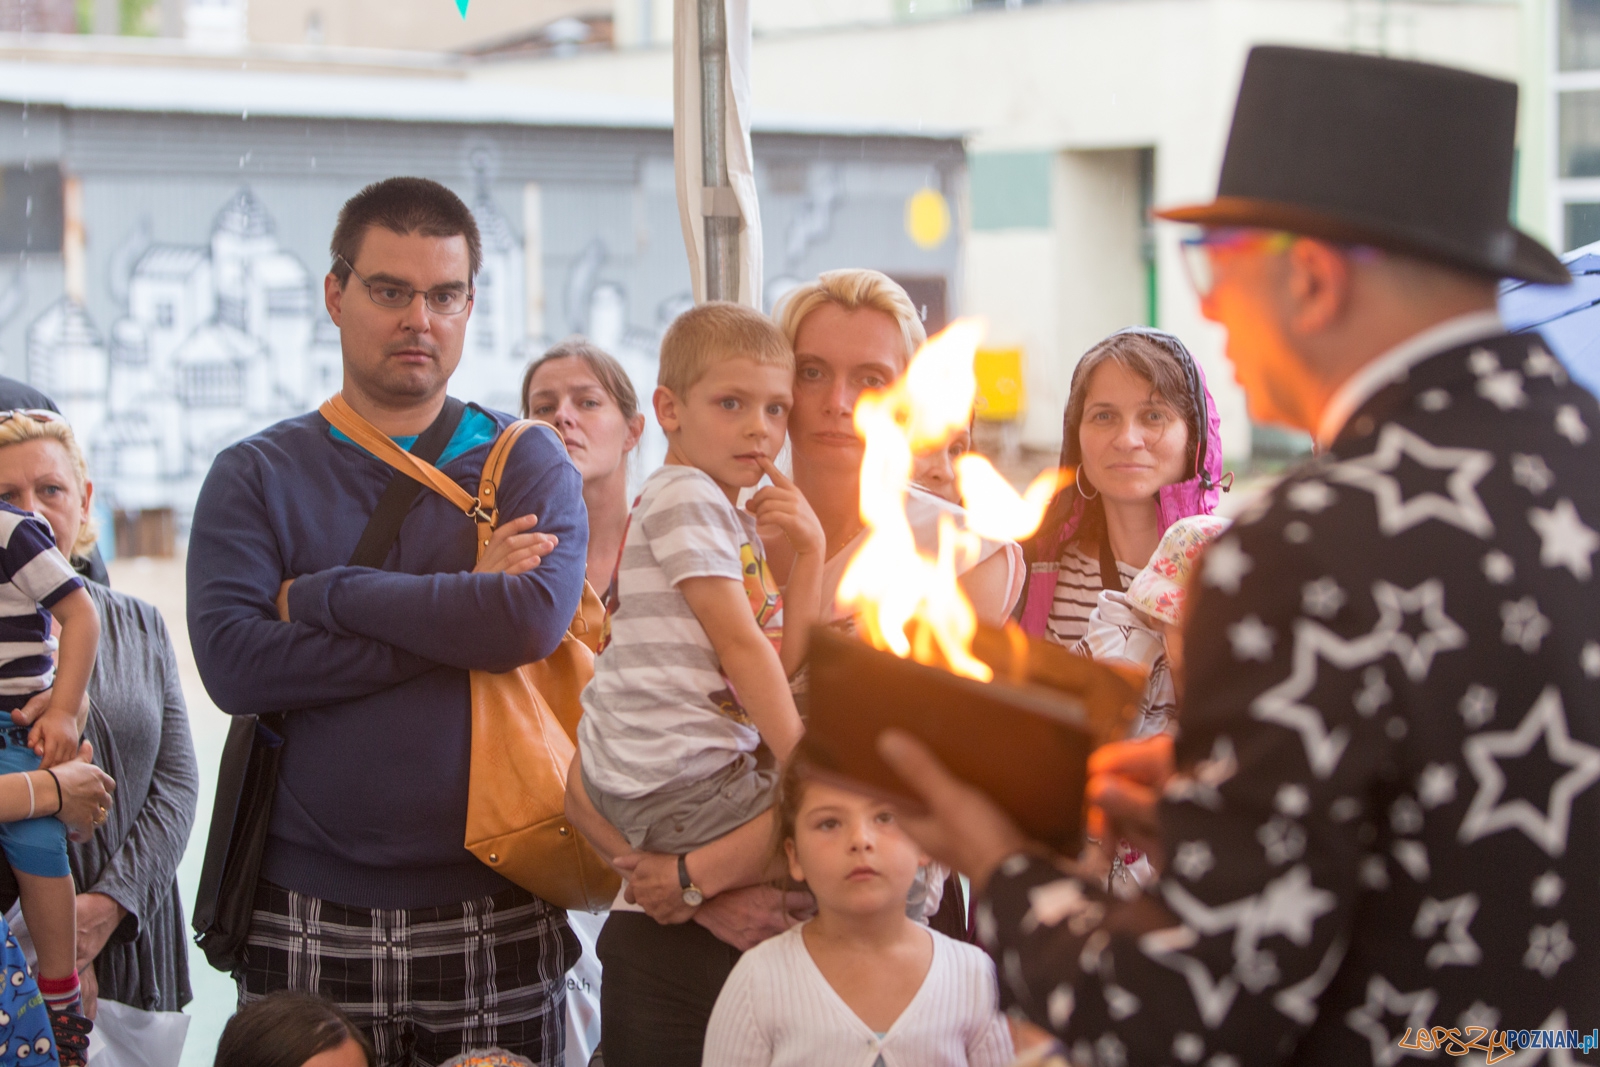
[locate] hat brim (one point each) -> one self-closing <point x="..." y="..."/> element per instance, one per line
<point x="1526" y="259"/>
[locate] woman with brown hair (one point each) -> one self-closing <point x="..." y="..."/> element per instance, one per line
<point x="1143" y="434"/>
<point x="583" y="392"/>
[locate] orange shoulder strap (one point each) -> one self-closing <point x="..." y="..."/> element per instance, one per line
<point x="374" y="440"/>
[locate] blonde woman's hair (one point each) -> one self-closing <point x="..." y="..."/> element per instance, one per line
<point x="23" y="426"/>
<point x="853" y="289"/>
<point x="714" y="332"/>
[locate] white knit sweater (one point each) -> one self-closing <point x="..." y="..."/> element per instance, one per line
<point x="778" y="1010"/>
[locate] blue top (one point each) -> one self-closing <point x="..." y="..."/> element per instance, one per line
<point x="372" y="673"/>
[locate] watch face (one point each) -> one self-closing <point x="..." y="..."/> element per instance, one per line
<point x="693" y="897"/>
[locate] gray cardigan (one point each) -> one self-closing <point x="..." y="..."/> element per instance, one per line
<point x="139" y="727"/>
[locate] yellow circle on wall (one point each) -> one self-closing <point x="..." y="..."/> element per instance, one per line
<point x="928" y="218"/>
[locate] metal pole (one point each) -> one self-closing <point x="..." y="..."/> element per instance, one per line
<point x="719" y="207"/>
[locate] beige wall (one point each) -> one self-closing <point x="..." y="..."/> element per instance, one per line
<point x="430" y="25"/>
<point x="1070" y="78"/>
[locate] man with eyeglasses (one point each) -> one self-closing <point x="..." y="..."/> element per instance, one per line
<point x="360" y="643"/>
<point x="1377" y="824"/>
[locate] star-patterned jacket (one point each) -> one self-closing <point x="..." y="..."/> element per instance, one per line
<point x="1386" y="813"/>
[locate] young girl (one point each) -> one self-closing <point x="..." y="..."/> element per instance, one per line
<point x="860" y="985"/>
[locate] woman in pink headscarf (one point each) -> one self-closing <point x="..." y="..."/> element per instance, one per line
<point x="1143" y="434"/>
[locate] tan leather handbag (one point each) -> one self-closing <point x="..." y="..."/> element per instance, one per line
<point x="525" y="721"/>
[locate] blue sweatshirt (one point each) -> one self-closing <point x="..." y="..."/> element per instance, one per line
<point x="371" y="674"/>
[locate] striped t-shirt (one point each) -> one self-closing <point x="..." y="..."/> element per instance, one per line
<point x="659" y="711"/>
<point x="33" y="576"/>
<point x="1078" y="588"/>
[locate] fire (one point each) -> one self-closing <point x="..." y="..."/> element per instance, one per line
<point x="905" y="601"/>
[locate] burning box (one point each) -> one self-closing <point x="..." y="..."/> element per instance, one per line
<point x="1024" y="738"/>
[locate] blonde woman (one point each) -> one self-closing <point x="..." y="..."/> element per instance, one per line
<point x="139" y="730"/>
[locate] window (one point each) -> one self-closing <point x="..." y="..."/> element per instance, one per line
<point x="1580" y="35"/>
<point x="1582" y="225"/>
<point x="1010" y="190"/>
<point x="1580" y="134"/>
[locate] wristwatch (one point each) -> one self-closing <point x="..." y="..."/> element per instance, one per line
<point x="691" y="892"/>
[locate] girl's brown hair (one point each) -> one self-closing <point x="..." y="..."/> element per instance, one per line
<point x="1147" y="354"/>
<point x="613" y="379"/>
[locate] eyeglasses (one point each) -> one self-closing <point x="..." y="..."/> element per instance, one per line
<point x="445" y="300"/>
<point x="1198" y="250"/>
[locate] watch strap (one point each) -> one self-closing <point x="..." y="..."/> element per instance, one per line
<point x="683" y="871"/>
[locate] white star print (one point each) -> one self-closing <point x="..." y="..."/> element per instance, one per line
<point x="1590" y="659"/>
<point x="1188" y="1048"/>
<point x="1564" y="541"/>
<point x="1483" y="362"/>
<point x="1193" y="860"/>
<point x="1383" y="1000"/>
<point x="1405" y="816"/>
<point x="1060" y="1004"/>
<point x="1120" y="1003"/>
<point x="1462" y="509"/>
<point x="1413" y="856"/>
<point x="1282" y="703"/>
<point x="1374" y="692"/>
<point x="1479" y="1014"/>
<point x="1289" y="905"/>
<point x="1292" y="799"/>
<point x="1200" y="787"/>
<point x="1436" y="785"/>
<point x="1477" y="706"/>
<point x="1547" y="829"/>
<point x="1498" y="567"/>
<point x="1343" y="809"/>
<point x="1226" y="565"/>
<point x="1223" y="1059"/>
<point x="1063" y="899"/>
<point x="1532" y="473"/>
<point x="1503" y="389"/>
<point x="1541" y="364"/>
<point x="1458" y="949"/>
<point x="1548" y="948"/>
<point x="1322" y="598"/>
<point x="1313" y="497"/>
<point x="1569" y="424"/>
<point x="1525" y="626"/>
<point x="1296" y="533"/>
<point x="1548" y="889"/>
<point x="1433" y="400"/>
<point x="1251" y="639"/>
<point x="1299" y="1001"/>
<point x="1109" y="1051"/>
<point x="1374" y="873"/>
<point x="1281" y="840"/>
<point x="1442" y="634"/>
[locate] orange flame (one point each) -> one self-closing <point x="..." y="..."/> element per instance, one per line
<point x="905" y="601"/>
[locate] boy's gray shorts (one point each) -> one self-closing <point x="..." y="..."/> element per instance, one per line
<point x="685" y="817"/>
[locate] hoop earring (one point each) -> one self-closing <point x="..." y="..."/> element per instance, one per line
<point x="1080" y="481"/>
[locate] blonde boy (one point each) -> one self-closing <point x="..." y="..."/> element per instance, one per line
<point x="690" y="683"/>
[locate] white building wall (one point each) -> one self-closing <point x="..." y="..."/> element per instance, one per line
<point x="1068" y="77"/>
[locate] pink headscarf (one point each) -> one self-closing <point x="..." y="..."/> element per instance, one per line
<point x="1196" y="495"/>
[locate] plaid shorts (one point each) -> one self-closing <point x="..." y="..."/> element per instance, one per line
<point x="426" y="983"/>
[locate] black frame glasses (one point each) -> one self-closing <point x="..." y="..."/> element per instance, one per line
<point x="431" y="298"/>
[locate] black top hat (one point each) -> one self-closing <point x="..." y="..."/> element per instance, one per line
<point x="1359" y="149"/>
